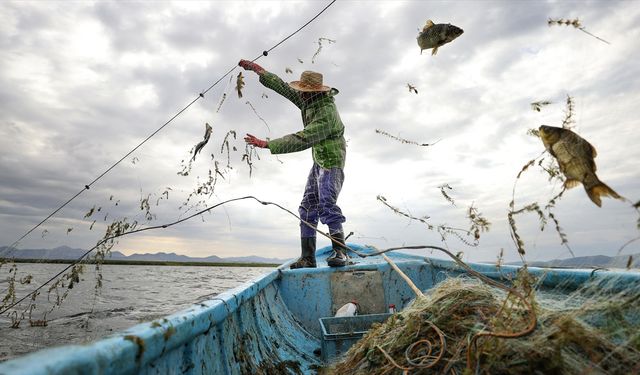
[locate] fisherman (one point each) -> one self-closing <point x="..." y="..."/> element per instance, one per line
<point x="324" y="133"/>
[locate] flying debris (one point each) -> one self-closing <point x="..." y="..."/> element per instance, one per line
<point x="404" y="140"/>
<point x="434" y="36"/>
<point x="91" y="211"/>
<point x="288" y="70"/>
<point x="239" y="84"/>
<point x="575" y="23"/>
<point x="537" y="106"/>
<point x="199" y="146"/>
<point x="575" y="158"/>
<point x="412" y="88"/>
<point x="320" y="40"/>
<point x="445" y="195"/>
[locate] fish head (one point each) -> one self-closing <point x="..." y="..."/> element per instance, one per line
<point x="453" y="32"/>
<point x="549" y="134"/>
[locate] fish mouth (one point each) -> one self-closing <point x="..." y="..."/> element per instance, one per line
<point x="456" y="30"/>
<point x="454" y="34"/>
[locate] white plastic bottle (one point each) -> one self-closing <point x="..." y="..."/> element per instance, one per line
<point x="348" y="309"/>
<point x="392" y="309"/>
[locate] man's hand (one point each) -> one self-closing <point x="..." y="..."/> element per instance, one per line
<point x="257" y="142"/>
<point x="248" y="65"/>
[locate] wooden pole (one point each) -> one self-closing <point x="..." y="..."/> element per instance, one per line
<point x="406" y="278"/>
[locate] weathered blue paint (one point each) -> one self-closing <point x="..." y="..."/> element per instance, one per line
<point x="267" y="321"/>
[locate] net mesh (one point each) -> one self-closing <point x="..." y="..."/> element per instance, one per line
<point x="463" y="325"/>
<point x="323" y="132"/>
<point x="35" y="297"/>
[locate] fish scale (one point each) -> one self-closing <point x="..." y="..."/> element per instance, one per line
<point x="575" y="158"/>
<point x="437" y="35"/>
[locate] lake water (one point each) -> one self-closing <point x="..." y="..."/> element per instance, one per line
<point x="129" y="295"/>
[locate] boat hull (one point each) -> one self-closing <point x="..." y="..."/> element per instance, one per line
<point x="271" y="324"/>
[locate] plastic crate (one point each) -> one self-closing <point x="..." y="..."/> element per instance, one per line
<point x="339" y="334"/>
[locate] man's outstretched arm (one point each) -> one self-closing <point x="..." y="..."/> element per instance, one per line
<point x="272" y="81"/>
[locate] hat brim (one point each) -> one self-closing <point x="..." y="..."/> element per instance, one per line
<point x="296" y="85"/>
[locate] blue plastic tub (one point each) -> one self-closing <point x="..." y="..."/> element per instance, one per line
<point x="339" y="334"/>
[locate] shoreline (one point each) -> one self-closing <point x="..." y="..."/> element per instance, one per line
<point x="141" y="262"/>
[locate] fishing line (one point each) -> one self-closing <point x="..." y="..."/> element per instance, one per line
<point x="208" y="209"/>
<point x="487" y="280"/>
<point x="163" y="226"/>
<point x="200" y="96"/>
<point x="302" y="27"/>
<point x="532" y="318"/>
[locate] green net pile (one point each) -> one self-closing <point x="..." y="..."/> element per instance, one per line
<point x="583" y="332"/>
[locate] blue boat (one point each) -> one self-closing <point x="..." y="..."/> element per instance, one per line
<point x="272" y="324"/>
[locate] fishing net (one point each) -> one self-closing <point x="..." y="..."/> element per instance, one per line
<point x="323" y="132"/>
<point x="466" y="326"/>
<point x="61" y="288"/>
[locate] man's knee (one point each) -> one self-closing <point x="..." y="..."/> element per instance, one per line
<point x="308" y="213"/>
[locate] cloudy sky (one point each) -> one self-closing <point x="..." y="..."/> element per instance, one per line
<point x="82" y="83"/>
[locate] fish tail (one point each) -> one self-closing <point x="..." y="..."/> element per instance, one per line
<point x="601" y="190"/>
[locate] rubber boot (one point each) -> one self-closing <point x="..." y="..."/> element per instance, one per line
<point x="338" y="257"/>
<point x="308" y="258"/>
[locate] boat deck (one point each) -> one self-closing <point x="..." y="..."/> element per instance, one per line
<point x="271" y="324"/>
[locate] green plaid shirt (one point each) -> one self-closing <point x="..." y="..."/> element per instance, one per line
<point x="323" y="130"/>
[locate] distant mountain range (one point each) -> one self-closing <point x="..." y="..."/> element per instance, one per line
<point x="603" y="261"/>
<point x="65" y="252"/>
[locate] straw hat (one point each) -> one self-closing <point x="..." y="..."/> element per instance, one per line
<point x="309" y="82"/>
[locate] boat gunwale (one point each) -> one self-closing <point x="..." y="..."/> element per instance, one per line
<point x="129" y="350"/>
<point x="123" y="352"/>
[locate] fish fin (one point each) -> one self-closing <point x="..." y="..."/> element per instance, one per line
<point x="435" y="50"/>
<point x="595" y="192"/>
<point x="427" y="25"/>
<point x="594" y="153"/>
<point x="571" y="183"/>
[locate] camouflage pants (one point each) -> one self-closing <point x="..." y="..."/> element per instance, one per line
<point x="319" y="201"/>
